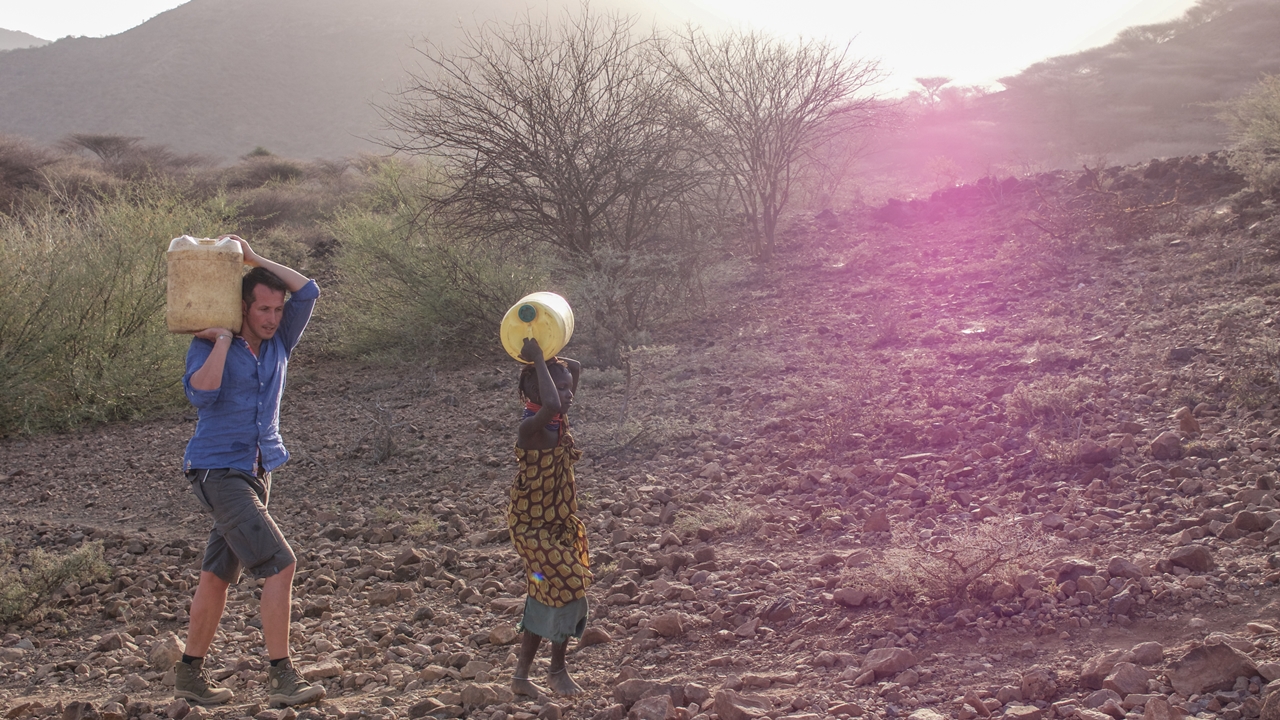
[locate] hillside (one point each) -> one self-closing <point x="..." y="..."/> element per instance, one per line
<point x="1149" y="93"/>
<point x="221" y="77"/>
<point x="1064" y="372"/>
<point x="13" y="39"/>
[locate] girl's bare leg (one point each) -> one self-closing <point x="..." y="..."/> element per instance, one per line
<point x="558" y="673"/>
<point x="520" y="684"/>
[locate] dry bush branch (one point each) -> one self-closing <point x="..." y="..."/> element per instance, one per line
<point x="956" y="564"/>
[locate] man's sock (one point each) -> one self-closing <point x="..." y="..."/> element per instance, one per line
<point x="276" y="662"/>
<point x="189" y="659"/>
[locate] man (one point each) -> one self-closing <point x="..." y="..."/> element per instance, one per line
<point x="235" y="382"/>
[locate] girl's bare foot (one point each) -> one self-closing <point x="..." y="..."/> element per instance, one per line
<point x="522" y="686"/>
<point x="562" y="684"/>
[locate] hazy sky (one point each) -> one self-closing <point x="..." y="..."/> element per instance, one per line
<point x="972" y="41"/>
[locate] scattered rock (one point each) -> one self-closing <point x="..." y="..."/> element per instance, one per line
<point x="1039" y="683"/>
<point x="877" y="522"/>
<point x="1127" y="679"/>
<point x="885" y="662"/>
<point x="165" y="652"/>
<point x="81" y="711"/>
<point x="507" y="635"/>
<point x="850" y="597"/>
<point x="730" y="705"/>
<point x="1148" y="653"/>
<point x="656" y="707"/>
<point x="1195" y="558"/>
<point x="594" y="636"/>
<point x="1097" y="668"/>
<point x="629" y="691"/>
<point x="1023" y="712"/>
<point x="322" y="670"/>
<point x="668" y="625"/>
<point x="1168" y="446"/>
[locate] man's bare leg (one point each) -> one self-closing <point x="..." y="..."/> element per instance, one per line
<point x="277" y="603"/>
<point x="206" y="612"/>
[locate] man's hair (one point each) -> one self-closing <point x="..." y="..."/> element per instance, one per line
<point x="528" y="384"/>
<point x="259" y="276"/>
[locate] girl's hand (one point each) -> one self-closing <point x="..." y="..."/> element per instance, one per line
<point x="532" y="351"/>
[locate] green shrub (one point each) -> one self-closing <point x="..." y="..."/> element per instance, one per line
<point x="24" y="589"/>
<point x="258" y="170"/>
<point x="82" y="292"/>
<point x="618" y="297"/>
<point x="21" y="170"/>
<point x="413" y="287"/>
<point x="1254" y="121"/>
<point x="407" y="291"/>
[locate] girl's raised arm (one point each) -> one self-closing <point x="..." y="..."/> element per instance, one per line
<point x="548" y="396"/>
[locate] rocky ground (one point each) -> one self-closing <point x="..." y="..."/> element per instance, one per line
<point x="1008" y="451"/>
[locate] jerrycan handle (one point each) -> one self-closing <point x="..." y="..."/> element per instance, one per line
<point x="527" y="313"/>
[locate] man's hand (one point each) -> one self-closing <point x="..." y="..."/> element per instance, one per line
<point x="250" y="257"/>
<point x="212" y="334"/>
<point x="293" y="279"/>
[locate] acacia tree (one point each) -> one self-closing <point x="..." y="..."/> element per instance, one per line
<point x="931" y="86"/>
<point x="566" y="134"/>
<point x="763" y="103"/>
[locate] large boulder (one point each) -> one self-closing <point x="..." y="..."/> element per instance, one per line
<point x="1208" y="668"/>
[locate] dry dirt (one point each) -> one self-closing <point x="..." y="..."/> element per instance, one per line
<point x="1002" y="356"/>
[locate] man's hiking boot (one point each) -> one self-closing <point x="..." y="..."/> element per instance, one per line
<point x="191" y="683"/>
<point x="285" y="687"/>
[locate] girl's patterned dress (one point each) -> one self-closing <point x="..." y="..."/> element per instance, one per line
<point x="551" y="540"/>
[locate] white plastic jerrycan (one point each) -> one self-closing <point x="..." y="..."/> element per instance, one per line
<point x="203" y="284"/>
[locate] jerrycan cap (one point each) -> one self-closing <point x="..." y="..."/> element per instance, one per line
<point x="527" y="313"/>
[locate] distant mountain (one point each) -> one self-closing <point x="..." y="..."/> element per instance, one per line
<point x="1149" y="93"/>
<point x="14" y="39"/>
<point x="221" y="77"/>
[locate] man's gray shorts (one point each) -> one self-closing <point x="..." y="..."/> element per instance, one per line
<point x="244" y="535"/>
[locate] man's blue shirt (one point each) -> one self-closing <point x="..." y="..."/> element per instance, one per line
<point x="242" y="417"/>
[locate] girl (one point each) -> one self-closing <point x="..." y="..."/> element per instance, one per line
<point x="543" y="521"/>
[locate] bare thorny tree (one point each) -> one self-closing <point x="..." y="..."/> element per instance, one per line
<point x="566" y="135"/>
<point x="567" y="140"/>
<point x="764" y="105"/>
<point x="609" y="153"/>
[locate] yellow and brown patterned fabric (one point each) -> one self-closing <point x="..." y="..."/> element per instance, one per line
<point x="545" y="527"/>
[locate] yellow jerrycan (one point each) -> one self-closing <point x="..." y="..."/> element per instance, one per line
<point x="544" y="316"/>
<point x="203" y="284"/>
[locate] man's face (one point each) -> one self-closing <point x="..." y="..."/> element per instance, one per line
<point x="262" y="316"/>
